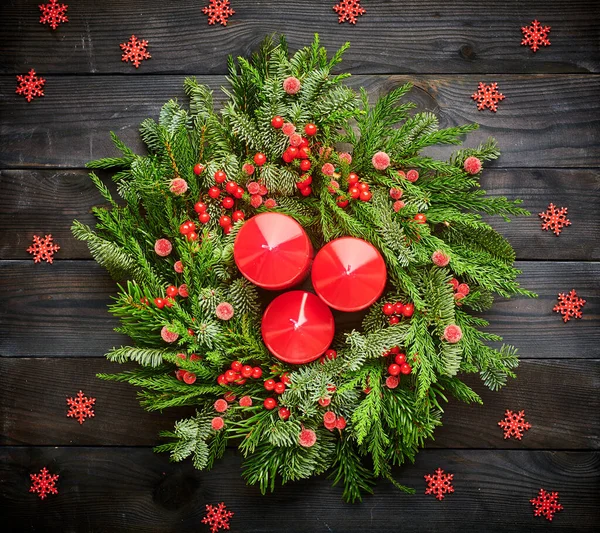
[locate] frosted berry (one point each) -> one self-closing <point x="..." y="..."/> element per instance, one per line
<point x="307" y="438"/>
<point x="288" y="128"/>
<point x="178" y="186"/>
<point x="217" y="423"/>
<point x="229" y="396"/>
<point x="463" y="288"/>
<point x="296" y="140"/>
<point x="388" y="309"/>
<point x="394" y="369"/>
<point x="171" y="291"/>
<point x="405" y="369"/>
<point x="440" y="258"/>
<point x="168" y="336"/>
<point x="284" y="413"/>
<point x="163" y="247"/>
<point x="200" y="207"/>
<point x="198" y="169"/>
<point x="310" y="129"/>
<point x="224" y="311"/>
<point x="345" y="156"/>
<point x="214" y="192"/>
<point x="256" y="201"/>
<point x="412" y="176"/>
<point x="277" y="122"/>
<point x="291" y="85"/>
<point x="455" y="283"/>
<point x="305" y="165"/>
<point x="179" y="374"/>
<point x="329" y="417"/>
<point x="472" y="165"/>
<point x="392" y="382"/>
<point x="248" y="169"/>
<point x="221" y="406"/>
<point x="227" y="202"/>
<point x="279" y="388"/>
<point x="260" y="159"/>
<point x="398" y="204"/>
<point x="395" y="193"/>
<point x="340" y="423"/>
<point x="328" y="169"/>
<point x="381" y="161"/>
<point x="452" y="333"/>
<point x="409" y="310"/>
<point x="324" y="402"/>
<point x="270" y="403"/>
<point x="245" y="401"/>
<point x="189" y="378"/>
<point x="178" y="267"/>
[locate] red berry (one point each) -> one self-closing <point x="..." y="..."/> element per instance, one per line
<point x="363" y="186"/>
<point x="200" y="207"/>
<point x="195" y="357"/>
<point x="463" y="288"/>
<point x="144" y="300"/>
<point x="279" y="388"/>
<point x="248" y="168"/>
<point x="303" y="143"/>
<point x="269" y="384"/>
<point x="221" y="379"/>
<point x="217" y="423"/>
<point x="159" y="302"/>
<point x="392" y="382"/>
<point x="270" y="403"/>
<point x="214" y="192"/>
<point x="284" y="413"/>
<point x="394" y="320"/>
<point x="400" y="359"/>
<point x="260" y="159"/>
<point x="365" y="196"/>
<point x="405" y="369"/>
<point x="331" y="388"/>
<point x="192" y="236"/>
<point x="325" y="401"/>
<point x="230" y="187"/>
<point x="394" y="369"/>
<point x="198" y="169"/>
<point x="412" y="175"/>
<point x="237" y="215"/>
<point x="409" y="309"/>
<point x="352" y="178"/>
<point x="293" y="151"/>
<point x="394" y="349"/>
<point x="395" y="193"/>
<point x="220" y="406"/>
<point x="398" y="308"/>
<point x="277" y="122"/>
<point x="287" y="157"/>
<point x="329" y="417"/>
<point x="227" y="202"/>
<point x="246" y="371"/>
<point x="455" y="283"/>
<point x="224" y="221"/>
<point x="204" y="218"/>
<point x="341" y="202"/>
<point x="186" y="227"/>
<point x="310" y="129"/>
<point x="306" y="191"/>
<point x="236" y="366"/>
<point x="169" y="302"/>
<point x="239" y="192"/>
<point x="256" y="372"/>
<point x="245" y="401"/>
<point x="305" y="165"/>
<point x="303" y="152"/>
<point x="229" y="396"/>
<point x="340" y="423"/>
<point x="230" y="375"/>
<point x="179" y="374"/>
<point x="220" y="176"/>
<point x="306" y="182"/>
<point x="331" y="354"/>
<point x="354" y="192"/>
<point x="285" y="378"/>
<point x="420" y="218"/>
<point x="189" y="378"/>
<point x="172" y="291"/>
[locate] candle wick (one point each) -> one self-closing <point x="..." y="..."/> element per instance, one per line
<point x="296" y="324"/>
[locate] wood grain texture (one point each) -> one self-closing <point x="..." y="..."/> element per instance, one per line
<point x="411" y="36"/>
<point x="130" y="489"/>
<point x="60" y="310"/>
<point x="47" y="201"/>
<point x="551" y="392"/>
<point x="545" y="120"/>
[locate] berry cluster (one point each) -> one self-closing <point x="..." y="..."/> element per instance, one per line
<point x="410" y="175"/>
<point x="170" y="294"/>
<point x="238" y="374"/>
<point x="398" y="310"/>
<point x="331" y="421"/>
<point x="185" y="375"/>
<point x="232" y="192"/>
<point x="460" y="290"/>
<point x="399" y="366"/>
<point x="357" y="190"/>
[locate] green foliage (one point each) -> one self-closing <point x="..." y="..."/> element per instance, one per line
<point x="384" y="426"/>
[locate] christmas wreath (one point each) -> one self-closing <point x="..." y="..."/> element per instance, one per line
<point x="231" y="205"/>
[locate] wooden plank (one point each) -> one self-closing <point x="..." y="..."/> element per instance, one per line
<point x="438" y="36"/>
<point x="61" y="311"/>
<point x="545" y="120"/>
<point x="548" y="390"/>
<point x="43" y="201"/>
<point x="132" y="489"/>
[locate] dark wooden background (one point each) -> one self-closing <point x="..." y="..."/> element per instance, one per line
<point x="54" y="324"/>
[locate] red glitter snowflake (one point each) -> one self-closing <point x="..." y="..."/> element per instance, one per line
<point x="349" y="10"/>
<point x="555" y="218"/>
<point x="487" y="96"/>
<point x="53" y="13"/>
<point x="81" y="407"/>
<point x="569" y="305"/>
<point x="535" y="35"/>
<point x="43" y="483"/>
<point x="218" y="11"/>
<point x="546" y="504"/>
<point x="514" y="424"/>
<point x="217" y="517"/>
<point x="43" y="249"/>
<point x="135" y="50"/>
<point x="30" y="85"/>
<point x="439" y="484"/>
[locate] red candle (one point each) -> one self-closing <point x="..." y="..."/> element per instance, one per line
<point x="349" y="274"/>
<point x="273" y="251"/>
<point x="297" y="327"/>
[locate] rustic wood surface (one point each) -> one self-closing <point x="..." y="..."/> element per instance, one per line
<point x="54" y="327"/>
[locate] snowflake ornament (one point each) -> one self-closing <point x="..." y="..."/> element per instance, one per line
<point x="487" y="96"/>
<point x="217" y="517"/>
<point x="439" y="484"/>
<point x="535" y="35"/>
<point x="569" y="305"/>
<point x="514" y="424"/>
<point x="80" y="407"/>
<point x="218" y="11"/>
<point x="349" y="10"/>
<point x="555" y="218"/>
<point x="53" y="13"/>
<point x="546" y="504"/>
<point x="43" y="483"/>
<point x="135" y="51"/>
<point x="43" y="249"/>
<point x="30" y="86"/>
